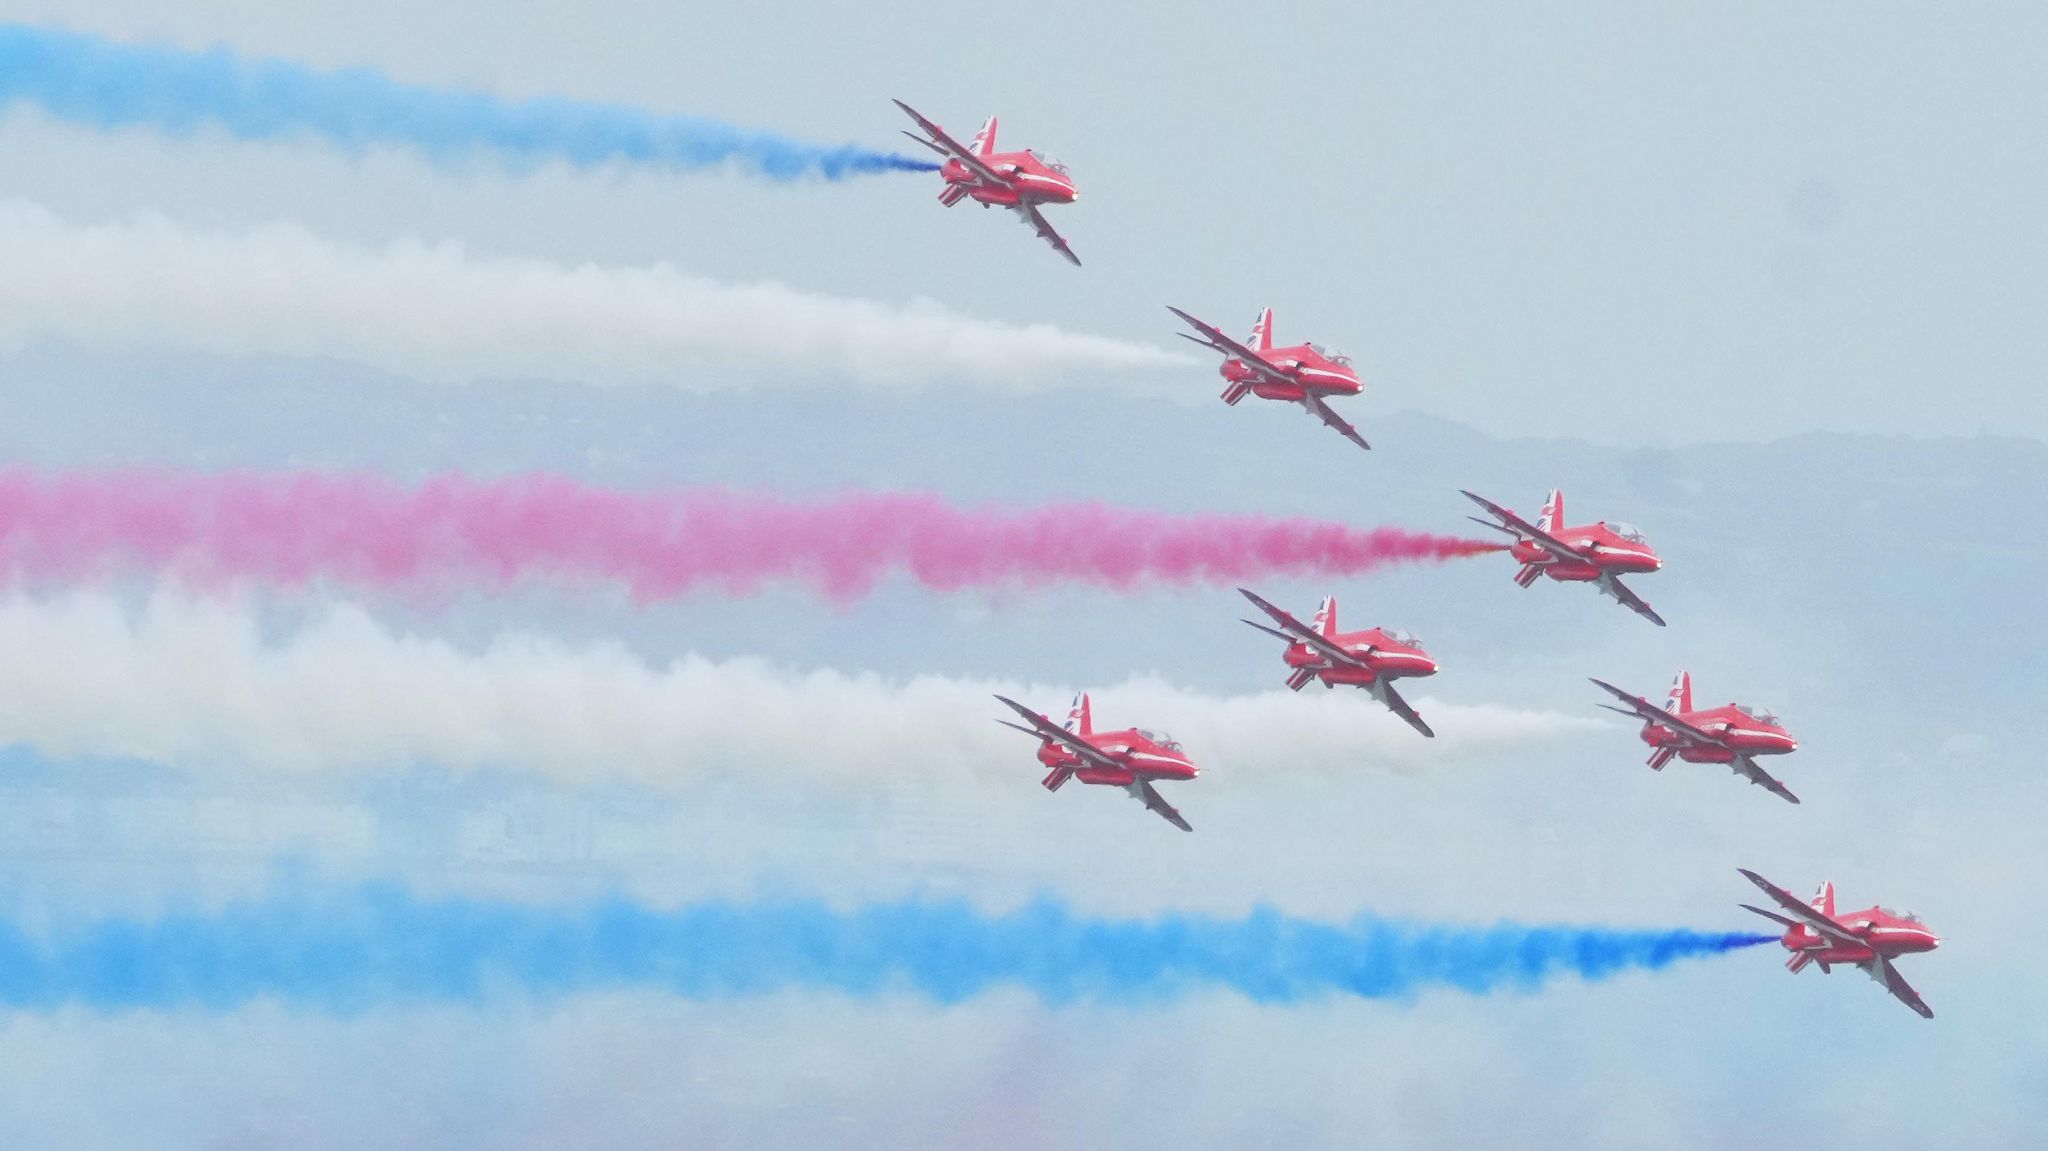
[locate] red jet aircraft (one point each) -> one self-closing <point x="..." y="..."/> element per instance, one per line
<point x="1372" y="659"/>
<point x="1019" y="181"/>
<point x="1299" y="374"/>
<point x="1598" y="554"/>
<point x="1131" y="759"/>
<point x="1734" y="735"/>
<point x="1870" y="938"/>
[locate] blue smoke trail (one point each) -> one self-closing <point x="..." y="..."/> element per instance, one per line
<point x="353" y="949"/>
<point x="108" y="84"/>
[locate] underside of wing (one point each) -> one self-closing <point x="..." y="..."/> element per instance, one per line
<point x="1036" y="219"/>
<point x="1649" y="712"/>
<point x="1298" y="631"/>
<point x="1901" y="990"/>
<point x="1046" y="729"/>
<point x="1747" y="768"/>
<point x="1154" y="802"/>
<point x="1826" y="925"/>
<point x="1633" y="602"/>
<point x="1516" y="525"/>
<point x="1324" y="413"/>
<point x="947" y="145"/>
<point x="1213" y="336"/>
<point x="1400" y="707"/>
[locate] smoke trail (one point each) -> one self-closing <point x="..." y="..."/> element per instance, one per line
<point x="195" y="685"/>
<point x="106" y="84"/>
<point x="353" y="950"/>
<point x="436" y="313"/>
<point x="296" y="527"/>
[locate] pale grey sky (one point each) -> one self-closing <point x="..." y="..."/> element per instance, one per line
<point x="1634" y="224"/>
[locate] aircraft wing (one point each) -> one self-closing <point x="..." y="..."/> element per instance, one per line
<point x="1030" y="214"/>
<point x="1400" y="707"/>
<point x="1045" y="729"/>
<point x="1814" y="919"/>
<point x="1300" y="632"/>
<point x="1631" y="600"/>
<point x="1154" y="802"/>
<point x="1325" y="414"/>
<point x="1747" y="768"/>
<point x="1216" y="341"/>
<point x="1517" y="526"/>
<point x="946" y="145"/>
<point x="1649" y="712"/>
<point x="1881" y="969"/>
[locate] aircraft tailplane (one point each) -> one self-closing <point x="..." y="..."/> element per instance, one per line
<point x="1058" y="778"/>
<point x="953" y="194"/>
<point x="1528" y="574"/>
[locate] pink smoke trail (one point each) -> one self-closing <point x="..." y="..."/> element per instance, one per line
<point x="298" y="527"/>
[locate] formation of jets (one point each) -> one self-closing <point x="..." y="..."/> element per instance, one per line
<point x="1374" y="659"/>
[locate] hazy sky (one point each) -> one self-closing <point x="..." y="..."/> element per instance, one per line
<point x="1625" y="249"/>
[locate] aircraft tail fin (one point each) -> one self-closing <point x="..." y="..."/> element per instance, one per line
<point x="985" y="140"/>
<point x="1553" y="512"/>
<point x="1326" y="617"/>
<point x="1080" y="717"/>
<point x="1824" y="899"/>
<point x="1680" y="699"/>
<point x="1261" y="339"/>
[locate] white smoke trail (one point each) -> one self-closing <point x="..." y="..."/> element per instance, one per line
<point x="436" y="313"/>
<point x="195" y="684"/>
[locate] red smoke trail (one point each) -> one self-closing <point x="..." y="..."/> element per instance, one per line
<point x="299" y="527"/>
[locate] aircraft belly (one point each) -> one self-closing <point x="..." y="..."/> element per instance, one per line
<point x="1572" y="571"/>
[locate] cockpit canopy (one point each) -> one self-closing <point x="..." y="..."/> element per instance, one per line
<point x="1404" y="638"/>
<point x="1760" y="714"/>
<point x="1161" y="739"/>
<point x="1334" y="357"/>
<point x="1048" y="161"/>
<point x="1627" y="531"/>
